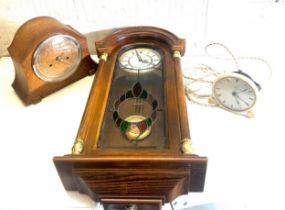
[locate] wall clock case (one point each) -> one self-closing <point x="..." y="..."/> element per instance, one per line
<point x="132" y="147"/>
<point x="48" y="56"/>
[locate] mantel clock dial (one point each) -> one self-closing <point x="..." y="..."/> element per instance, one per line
<point x="133" y="146"/>
<point x="47" y="56"/>
<point x="57" y="58"/>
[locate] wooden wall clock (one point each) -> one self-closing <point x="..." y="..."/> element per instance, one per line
<point x="47" y="56"/>
<point x="133" y="147"/>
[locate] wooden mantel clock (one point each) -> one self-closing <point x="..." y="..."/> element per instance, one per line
<point x="48" y="56"/>
<point x="133" y="147"/>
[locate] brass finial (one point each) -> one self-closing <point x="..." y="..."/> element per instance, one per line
<point x="104" y="56"/>
<point x="78" y="147"/>
<point x="186" y="146"/>
<point x="176" y="54"/>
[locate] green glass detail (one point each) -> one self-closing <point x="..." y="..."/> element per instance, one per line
<point x="124" y="126"/>
<point x="148" y="122"/>
<point x="144" y="94"/>
<point x="129" y="94"/>
<point x="115" y="116"/>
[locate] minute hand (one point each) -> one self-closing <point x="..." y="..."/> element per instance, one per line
<point x="139" y="56"/>
<point x="242" y="100"/>
<point x="243" y="90"/>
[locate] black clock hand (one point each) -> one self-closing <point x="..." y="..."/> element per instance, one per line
<point x="236" y="98"/>
<point x="139" y="56"/>
<point x="242" y="100"/>
<point x="243" y="90"/>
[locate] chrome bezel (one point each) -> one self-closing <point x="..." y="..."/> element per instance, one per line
<point x="70" y="70"/>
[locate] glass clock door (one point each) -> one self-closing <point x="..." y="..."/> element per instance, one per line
<point x="134" y="117"/>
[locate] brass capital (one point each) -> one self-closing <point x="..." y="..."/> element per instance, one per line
<point x="186" y="146"/>
<point x="78" y="147"/>
<point x="104" y="57"/>
<point x="176" y="54"/>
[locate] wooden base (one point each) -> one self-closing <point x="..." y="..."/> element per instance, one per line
<point x="131" y="204"/>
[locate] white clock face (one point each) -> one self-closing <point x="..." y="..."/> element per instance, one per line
<point x="141" y="59"/>
<point x="235" y="92"/>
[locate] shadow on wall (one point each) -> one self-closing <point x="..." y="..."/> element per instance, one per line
<point x="96" y="36"/>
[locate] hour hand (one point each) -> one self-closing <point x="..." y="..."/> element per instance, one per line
<point x="139" y="56"/>
<point x="65" y="61"/>
<point x="237" y="101"/>
<point x="61" y="59"/>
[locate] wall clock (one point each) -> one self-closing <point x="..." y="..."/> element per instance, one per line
<point x="47" y="56"/>
<point x="133" y="147"/>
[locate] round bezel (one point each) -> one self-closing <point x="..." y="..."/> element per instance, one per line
<point x="246" y="80"/>
<point x="130" y="64"/>
<point x="68" y="71"/>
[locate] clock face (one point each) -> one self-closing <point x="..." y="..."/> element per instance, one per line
<point x="57" y="58"/>
<point x="235" y="92"/>
<point x="142" y="59"/>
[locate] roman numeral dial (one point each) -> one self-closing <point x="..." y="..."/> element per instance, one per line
<point x="141" y="59"/>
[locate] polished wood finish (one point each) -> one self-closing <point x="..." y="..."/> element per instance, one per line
<point x="27" y="85"/>
<point x="147" y="178"/>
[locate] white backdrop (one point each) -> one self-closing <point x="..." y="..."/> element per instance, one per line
<point x="246" y="169"/>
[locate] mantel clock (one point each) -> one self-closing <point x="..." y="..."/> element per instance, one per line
<point x="133" y="147"/>
<point x="48" y="56"/>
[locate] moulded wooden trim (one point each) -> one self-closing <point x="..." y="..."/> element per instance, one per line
<point x="122" y="35"/>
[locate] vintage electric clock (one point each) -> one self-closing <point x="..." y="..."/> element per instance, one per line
<point x="47" y="56"/>
<point x="235" y="92"/>
<point x="133" y="147"/>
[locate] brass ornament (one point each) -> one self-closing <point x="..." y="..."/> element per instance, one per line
<point x="104" y="57"/>
<point x="176" y="54"/>
<point x="78" y="147"/>
<point x="186" y="146"/>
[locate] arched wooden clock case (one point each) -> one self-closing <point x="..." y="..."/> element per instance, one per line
<point x="133" y="144"/>
<point x="43" y="45"/>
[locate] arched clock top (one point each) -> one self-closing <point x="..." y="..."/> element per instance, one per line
<point x="129" y="35"/>
<point x="23" y="39"/>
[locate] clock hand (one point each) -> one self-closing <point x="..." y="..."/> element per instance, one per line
<point x="65" y="61"/>
<point x="236" y="98"/>
<point x="139" y="56"/>
<point x="59" y="58"/>
<point x="242" y="100"/>
<point x="243" y="90"/>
